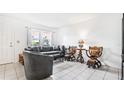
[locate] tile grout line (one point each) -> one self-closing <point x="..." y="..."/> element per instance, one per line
<point x="80" y="72"/>
<point x="59" y="71"/>
<point x="68" y="72"/>
<point x="4" y="70"/>
<point x="71" y="70"/>
<point x="105" y="73"/>
<point x="64" y="74"/>
<point x="15" y="71"/>
<point x="65" y="69"/>
<point x="91" y="74"/>
<point x="118" y="74"/>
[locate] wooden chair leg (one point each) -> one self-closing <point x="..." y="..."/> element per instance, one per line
<point x="99" y="63"/>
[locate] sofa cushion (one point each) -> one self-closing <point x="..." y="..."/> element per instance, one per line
<point x="45" y="49"/>
<point x="56" y="49"/>
<point x="51" y="52"/>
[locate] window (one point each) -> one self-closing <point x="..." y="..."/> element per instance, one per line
<point x="37" y="37"/>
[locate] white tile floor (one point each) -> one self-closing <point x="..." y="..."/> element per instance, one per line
<point x="63" y="71"/>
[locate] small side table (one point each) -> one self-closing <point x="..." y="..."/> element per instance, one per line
<point x="21" y="59"/>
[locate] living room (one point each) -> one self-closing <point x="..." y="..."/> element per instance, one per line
<point x="65" y="46"/>
<point x="63" y="32"/>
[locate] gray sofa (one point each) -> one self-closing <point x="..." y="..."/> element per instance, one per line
<point x="37" y="66"/>
<point x="57" y="53"/>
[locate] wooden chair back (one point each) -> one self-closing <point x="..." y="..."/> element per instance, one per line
<point x="95" y="51"/>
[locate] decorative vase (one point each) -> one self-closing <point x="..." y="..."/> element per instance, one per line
<point x="81" y="42"/>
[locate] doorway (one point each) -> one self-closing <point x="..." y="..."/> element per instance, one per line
<point x="6" y="43"/>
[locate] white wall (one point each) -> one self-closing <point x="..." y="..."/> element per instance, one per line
<point x="102" y="30"/>
<point x="18" y="27"/>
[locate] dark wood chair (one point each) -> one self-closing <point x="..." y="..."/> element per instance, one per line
<point x="70" y="55"/>
<point x="94" y="53"/>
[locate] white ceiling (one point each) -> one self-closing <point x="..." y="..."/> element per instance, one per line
<point x="55" y="19"/>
